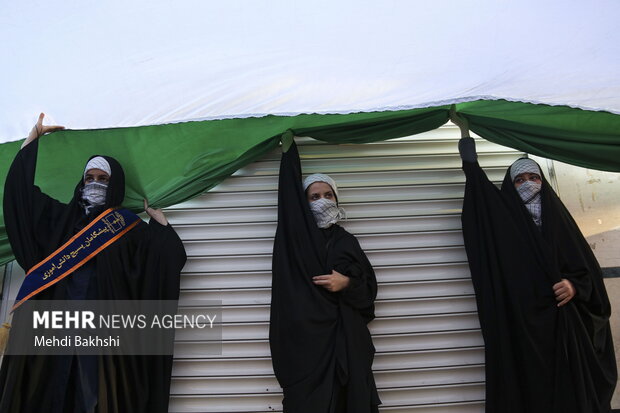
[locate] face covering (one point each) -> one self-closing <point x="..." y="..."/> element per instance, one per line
<point x="528" y="190"/>
<point x="530" y="195"/>
<point x="326" y="212"/>
<point x="94" y="193"/>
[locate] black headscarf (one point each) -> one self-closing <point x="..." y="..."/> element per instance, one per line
<point x="539" y="357"/>
<point x="321" y="348"/>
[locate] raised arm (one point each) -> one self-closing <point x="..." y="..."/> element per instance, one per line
<point x="294" y="216"/>
<point x="467" y="146"/>
<point x="29" y="214"/>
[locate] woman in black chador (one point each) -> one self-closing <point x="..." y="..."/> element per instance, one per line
<point x="144" y="264"/>
<point x="542" y="304"/>
<point x="322" y="300"/>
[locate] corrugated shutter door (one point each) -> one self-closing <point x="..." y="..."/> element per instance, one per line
<point x="403" y="199"/>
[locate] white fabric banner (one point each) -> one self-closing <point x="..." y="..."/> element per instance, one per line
<point x="115" y="63"/>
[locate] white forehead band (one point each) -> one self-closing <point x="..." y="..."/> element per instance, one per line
<point x="98" y="162"/>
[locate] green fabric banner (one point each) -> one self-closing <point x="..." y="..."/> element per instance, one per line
<point x="578" y="137"/>
<point x="169" y="164"/>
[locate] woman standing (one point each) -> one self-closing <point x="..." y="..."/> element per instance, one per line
<point x="142" y="262"/>
<point x="542" y="303"/>
<point x="323" y="293"/>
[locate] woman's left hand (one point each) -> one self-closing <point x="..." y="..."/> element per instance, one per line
<point x="156" y="214"/>
<point x="332" y="282"/>
<point x="564" y="291"/>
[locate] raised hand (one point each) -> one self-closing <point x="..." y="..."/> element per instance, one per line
<point x="40" y="129"/>
<point x="459" y="121"/>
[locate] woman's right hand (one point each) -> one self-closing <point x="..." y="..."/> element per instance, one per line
<point x="332" y="282"/>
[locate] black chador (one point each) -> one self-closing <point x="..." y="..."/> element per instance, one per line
<point x="143" y="264"/>
<point x="540" y="357"/>
<point x="320" y="344"/>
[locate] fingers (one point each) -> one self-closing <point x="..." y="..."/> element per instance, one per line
<point x="332" y="282"/>
<point x="39" y="125"/>
<point x="559" y="287"/>
<point x="459" y="121"/>
<point x="327" y="284"/>
<point x="42" y="129"/>
<point x="51" y="128"/>
<point x="561" y="293"/>
<point x="325" y="281"/>
<point x="564" y="292"/>
<point x="147" y="208"/>
<point x="156" y="214"/>
<point x="566" y="300"/>
<point x="39" y="129"/>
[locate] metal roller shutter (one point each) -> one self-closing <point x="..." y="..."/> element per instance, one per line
<point x="403" y="200"/>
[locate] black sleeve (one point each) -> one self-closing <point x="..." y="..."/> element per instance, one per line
<point x="162" y="257"/>
<point x="581" y="280"/>
<point x="467" y="149"/>
<point x="362" y="290"/>
<point x="578" y="264"/>
<point x="29" y="214"/>
<point x="575" y="259"/>
<point x="295" y="221"/>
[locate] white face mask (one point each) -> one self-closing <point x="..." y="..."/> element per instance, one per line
<point x="94" y="193"/>
<point x="528" y="190"/>
<point x="326" y="212"/>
